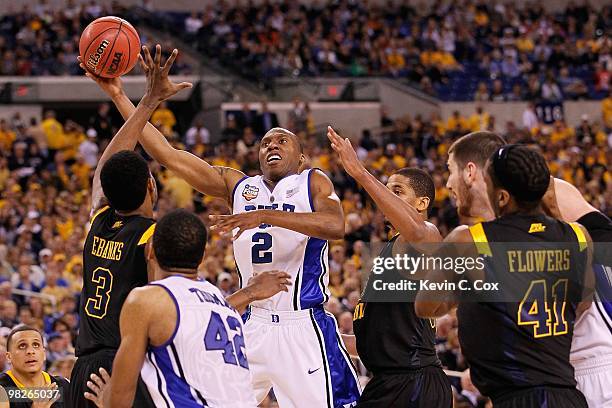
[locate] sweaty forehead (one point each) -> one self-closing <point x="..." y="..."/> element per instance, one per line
<point x="277" y="134"/>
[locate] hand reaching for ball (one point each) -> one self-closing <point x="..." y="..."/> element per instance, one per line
<point x="113" y="87"/>
<point x="159" y="86"/>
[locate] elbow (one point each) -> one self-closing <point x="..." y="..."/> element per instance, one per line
<point x="428" y="310"/>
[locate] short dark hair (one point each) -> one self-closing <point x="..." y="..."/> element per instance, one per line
<point x="21" y="328"/>
<point x="420" y="181"/>
<point x="124" y="179"/>
<point x="521" y="171"/>
<point x="475" y="147"/>
<point x="179" y="240"/>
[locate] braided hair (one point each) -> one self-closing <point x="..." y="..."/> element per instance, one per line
<point x="521" y="171"/>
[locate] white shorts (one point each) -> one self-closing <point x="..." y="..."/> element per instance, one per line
<point x="594" y="377"/>
<point x="300" y="355"/>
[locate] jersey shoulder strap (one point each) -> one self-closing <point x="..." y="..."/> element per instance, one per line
<point x="144" y="238"/>
<point x="480" y="239"/>
<point x="97" y="213"/>
<point x="582" y="241"/>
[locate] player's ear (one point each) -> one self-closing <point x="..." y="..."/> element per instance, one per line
<point x="469" y="173"/>
<point x="149" y="253"/>
<point x="503" y="198"/>
<point x="422" y="204"/>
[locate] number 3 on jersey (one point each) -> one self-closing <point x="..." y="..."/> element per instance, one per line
<point x="97" y="305"/>
<point x="260" y="252"/>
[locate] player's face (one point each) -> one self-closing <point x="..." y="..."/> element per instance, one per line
<point x="279" y="155"/>
<point x="400" y="186"/>
<point x="457" y="186"/>
<point x="27" y="353"/>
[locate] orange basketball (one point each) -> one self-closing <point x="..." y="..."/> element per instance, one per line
<point x="109" y="47"/>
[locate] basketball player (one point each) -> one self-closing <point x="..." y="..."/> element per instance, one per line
<point x="123" y="197"/>
<point x="283" y="220"/>
<point x="392" y="342"/>
<point x="527" y="363"/>
<point x="26" y="354"/>
<point x="179" y="333"/>
<point x="467" y="157"/>
<point x="591" y="353"/>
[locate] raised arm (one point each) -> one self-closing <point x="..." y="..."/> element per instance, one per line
<point x="158" y="89"/>
<point x="430" y="304"/>
<point x="211" y="180"/>
<point x="564" y="201"/>
<point x="326" y="222"/>
<point x="404" y="218"/>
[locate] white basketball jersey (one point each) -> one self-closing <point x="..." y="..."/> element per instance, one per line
<point x="593" y="331"/>
<point x="268" y="248"/>
<point x="204" y="362"/>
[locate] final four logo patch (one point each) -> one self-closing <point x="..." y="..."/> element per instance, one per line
<point x="250" y="192"/>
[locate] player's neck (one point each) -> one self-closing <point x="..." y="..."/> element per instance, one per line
<point x="29" y="380"/>
<point x="184" y="273"/>
<point x="514" y="210"/>
<point x="143" y="211"/>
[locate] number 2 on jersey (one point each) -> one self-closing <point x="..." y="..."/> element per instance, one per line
<point x="97" y="305"/>
<point x="534" y="309"/>
<point x="260" y="252"/>
<point x="216" y="338"/>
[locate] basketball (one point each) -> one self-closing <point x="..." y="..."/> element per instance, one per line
<point x="109" y="47"/>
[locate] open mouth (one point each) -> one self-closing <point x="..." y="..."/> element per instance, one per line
<point x="273" y="158"/>
<point x="30" y="362"/>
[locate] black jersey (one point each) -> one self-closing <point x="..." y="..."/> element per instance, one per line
<point x="390" y="337"/>
<point x="113" y="264"/>
<point x="8" y="381"/>
<point x="513" y="346"/>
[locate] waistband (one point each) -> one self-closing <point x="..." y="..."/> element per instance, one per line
<point x="592" y="365"/>
<point x="284" y="317"/>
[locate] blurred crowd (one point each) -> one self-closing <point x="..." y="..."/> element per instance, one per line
<point x="38" y="39"/>
<point x="457" y="50"/>
<point x="467" y="50"/>
<point x="45" y="179"/>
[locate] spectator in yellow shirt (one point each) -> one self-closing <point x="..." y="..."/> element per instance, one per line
<point x="7" y="136"/>
<point x="180" y="191"/>
<point x="73" y="137"/>
<point x="479" y="120"/>
<point x="456" y="123"/>
<point x="54" y="132"/>
<point x="164" y="117"/>
<point x="524" y="43"/>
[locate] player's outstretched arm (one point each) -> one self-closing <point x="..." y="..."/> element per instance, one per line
<point x="437" y="303"/>
<point x="158" y="89"/>
<point x="261" y="286"/>
<point x="326" y="222"/>
<point x="215" y="181"/>
<point x="134" y="323"/>
<point x="404" y="218"/>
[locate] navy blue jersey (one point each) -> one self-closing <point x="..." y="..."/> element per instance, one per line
<point x="113" y="264"/>
<point x="516" y="345"/>
<point x="390" y="336"/>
